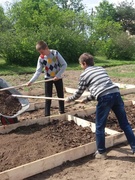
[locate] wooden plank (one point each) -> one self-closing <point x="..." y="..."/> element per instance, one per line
<point x="122" y="91"/>
<point x="8" y="128"/>
<point x="128" y="103"/>
<point x="40" y="105"/>
<point x="79" y="121"/>
<point x="127" y="91"/>
<point x="85" y="123"/>
<point x="72" y="91"/>
<point x="125" y="86"/>
<point x="84" y="112"/>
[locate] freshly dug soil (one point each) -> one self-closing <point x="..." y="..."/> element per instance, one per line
<point x="27" y="144"/>
<point x="9" y="105"/>
<point x="112" y="121"/>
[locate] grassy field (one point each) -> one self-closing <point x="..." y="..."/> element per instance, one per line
<point x="99" y="61"/>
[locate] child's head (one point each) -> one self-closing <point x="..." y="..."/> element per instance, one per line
<point x="42" y="48"/>
<point x="86" y="60"/>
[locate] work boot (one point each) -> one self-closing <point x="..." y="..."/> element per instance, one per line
<point x="100" y="156"/>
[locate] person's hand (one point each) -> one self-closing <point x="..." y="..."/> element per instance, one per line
<point x="29" y="84"/>
<point x="55" y="78"/>
<point x="67" y="100"/>
<point x="84" y="100"/>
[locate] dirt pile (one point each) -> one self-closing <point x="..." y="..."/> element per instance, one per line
<point x="8" y="105"/>
<point x="30" y="143"/>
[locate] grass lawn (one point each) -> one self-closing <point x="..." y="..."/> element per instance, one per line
<point x="99" y="61"/>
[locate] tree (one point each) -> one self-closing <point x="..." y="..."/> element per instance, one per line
<point x="104" y="25"/>
<point x="120" y="46"/>
<point x="34" y="20"/>
<point x="126" y="16"/>
<point x="4" y="21"/>
<point x="106" y="11"/>
<point x="75" y="5"/>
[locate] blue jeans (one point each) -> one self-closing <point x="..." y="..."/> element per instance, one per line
<point x="105" y="104"/>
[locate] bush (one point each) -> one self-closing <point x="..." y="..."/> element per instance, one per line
<point x="19" y="47"/>
<point x="120" y="47"/>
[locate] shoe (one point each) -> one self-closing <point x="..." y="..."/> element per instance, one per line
<point x="100" y="156"/>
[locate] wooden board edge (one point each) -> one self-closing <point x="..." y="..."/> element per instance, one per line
<point x="126" y="91"/>
<point x="125" y="86"/>
<point x="41" y="121"/>
<point x="85" y="123"/>
<point x="73" y="90"/>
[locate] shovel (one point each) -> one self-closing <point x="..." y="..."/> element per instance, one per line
<point x="23" y="85"/>
<point x="42" y="97"/>
<point x="38" y="97"/>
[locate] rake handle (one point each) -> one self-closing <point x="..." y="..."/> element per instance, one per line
<point x="23" y="85"/>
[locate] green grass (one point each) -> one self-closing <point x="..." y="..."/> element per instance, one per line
<point x="126" y="71"/>
<point x="102" y="61"/>
<point x="14" y="69"/>
<point x="99" y="61"/>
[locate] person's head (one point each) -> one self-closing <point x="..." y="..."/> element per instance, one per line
<point x="86" y="60"/>
<point x="42" y="48"/>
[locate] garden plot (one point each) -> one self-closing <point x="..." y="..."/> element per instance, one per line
<point x="34" y="146"/>
<point x="30" y="143"/>
<point x="112" y="122"/>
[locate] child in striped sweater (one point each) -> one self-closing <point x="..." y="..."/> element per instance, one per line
<point x="54" y="66"/>
<point x="101" y="88"/>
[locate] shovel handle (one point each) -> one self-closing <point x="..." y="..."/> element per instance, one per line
<point x="23" y="85"/>
<point x="38" y="97"/>
<point x="42" y="97"/>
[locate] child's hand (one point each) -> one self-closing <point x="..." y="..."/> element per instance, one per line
<point x="29" y="84"/>
<point x="84" y="100"/>
<point x="67" y="100"/>
<point x="55" y="78"/>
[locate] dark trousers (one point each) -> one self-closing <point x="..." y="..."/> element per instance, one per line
<point x="48" y="93"/>
<point x="105" y="104"/>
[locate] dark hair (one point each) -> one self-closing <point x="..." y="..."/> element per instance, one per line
<point x="87" y="58"/>
<point x="41" y="45"/>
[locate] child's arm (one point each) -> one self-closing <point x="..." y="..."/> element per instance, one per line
<point x="81" y="88"/>
<point x="37" y="73"/>
<point x="63" y="65"/>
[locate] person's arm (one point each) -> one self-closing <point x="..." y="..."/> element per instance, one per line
<point x="88" y="98"/>
<point x="63" y="65"/>
<point x="37" y="73"/>
<point x="81" y="88"/>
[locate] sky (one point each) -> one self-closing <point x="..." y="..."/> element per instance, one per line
<point x="92" y="3"/>
<point x="89" y="3"/>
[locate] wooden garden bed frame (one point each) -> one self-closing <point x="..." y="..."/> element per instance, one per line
<point x="44" y="164"/>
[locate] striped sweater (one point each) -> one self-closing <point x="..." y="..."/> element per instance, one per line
<point x="96" y="81"/>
